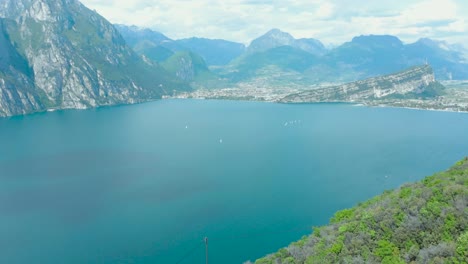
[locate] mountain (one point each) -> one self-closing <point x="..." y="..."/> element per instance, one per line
<point x="311" y="45"/>
<point x="367" y="56"/>
<point x="134" y="35"/>
<point x="154" y="53"/>
<point x="188" y="67"/>
<point x="75" y="59"/>
<point x="152" y="44"/>
<point x="448" y="62"/>
<point x="277" y="38"/>
<point x="423" y="222"/>
<point x="282" y="60"/>
<point x="362" y="57"/>
<point x="417" y="82"/>
<point x="215" y="52"/>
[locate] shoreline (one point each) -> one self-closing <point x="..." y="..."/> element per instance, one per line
<point x="358" y="104"/>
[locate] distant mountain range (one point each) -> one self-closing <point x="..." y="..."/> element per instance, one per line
<point x="374" y="55"/>
<point x="58" y="54"/>
<point x="277" y="53"/>
<point x="362" y="57"/>
<point x="215" y="52"/>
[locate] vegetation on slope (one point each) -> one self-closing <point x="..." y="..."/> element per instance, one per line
<point x="424" y="222"/>
<point x="188" y="66"/>
<point x="285" y="58"/>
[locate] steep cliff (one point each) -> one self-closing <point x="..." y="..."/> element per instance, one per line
<point x="77" y="59"/>
<point x="416" y="82"/>
<point x="17" y="93"/>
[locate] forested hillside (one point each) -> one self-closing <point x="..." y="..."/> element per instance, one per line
<point x="423" y="222"/>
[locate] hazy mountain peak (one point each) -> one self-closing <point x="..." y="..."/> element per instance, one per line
<point x="271" y="39"/>
<point x="134" y="34"/>
<point x="435" y="43"/>
<point x="276" y="38"/>
<point x="377" y="40"/>
<point x="277" y="33"/>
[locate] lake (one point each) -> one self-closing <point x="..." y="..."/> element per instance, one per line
<point x="146" y="183"/>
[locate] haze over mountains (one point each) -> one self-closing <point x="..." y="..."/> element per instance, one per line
<point x="213" y="51"/>
<point x="278" y="52"/>
<point x="58" y="54"/>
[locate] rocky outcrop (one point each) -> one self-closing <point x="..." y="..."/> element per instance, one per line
<point x="77" y="59"/>
<point x="416" y="82"/>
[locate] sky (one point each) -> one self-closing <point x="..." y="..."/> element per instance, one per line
<point x="331" y="21"/>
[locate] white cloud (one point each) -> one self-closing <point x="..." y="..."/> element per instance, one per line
<point x="332" y="21"/>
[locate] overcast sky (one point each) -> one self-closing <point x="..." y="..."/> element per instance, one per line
<point x="331" y="21"/>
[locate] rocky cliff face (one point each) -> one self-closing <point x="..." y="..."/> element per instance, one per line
<point x="416" y="82"/>
<point x="17" y="94"/>
<point x="76" y="59"/>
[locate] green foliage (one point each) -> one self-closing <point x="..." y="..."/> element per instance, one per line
<point x="462" y="245"/>
<point x="284" y="59"/>
<point x="386" y="249"/>
<point x="399" y="217"/>
<point x="189" y="67"/>
<point x="449" y="226"/>
<point x="405" y="192"/>
<point x="337" y="247"/>
<point x="342" y="215"/>
<point x="423" y="222"/>
<point x="301" y="242"/>
<point x="264" y="261"/>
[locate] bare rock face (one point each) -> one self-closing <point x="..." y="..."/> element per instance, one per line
<point x="186" y="70"/>
<point x="416" y="82"/>
<point x="17" y="95"/>
<point x="76" y="59"/>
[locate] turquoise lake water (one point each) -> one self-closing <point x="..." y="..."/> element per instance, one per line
<point x="145" y="183"/>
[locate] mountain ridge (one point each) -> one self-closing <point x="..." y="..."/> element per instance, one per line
<point x="415" y="82"/>
<point x="363" y="57"/>
<point x="215" y="52"/>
